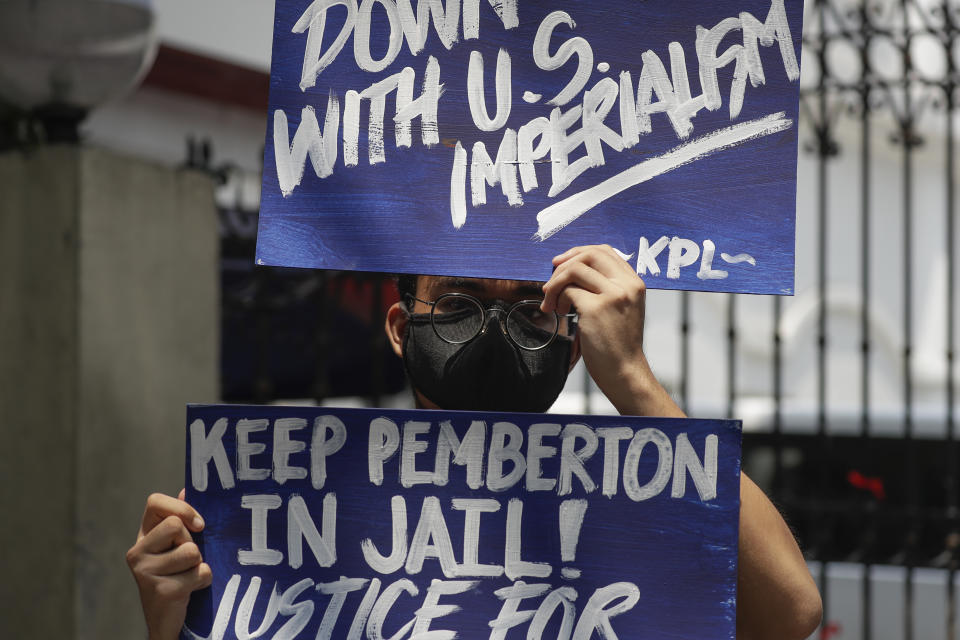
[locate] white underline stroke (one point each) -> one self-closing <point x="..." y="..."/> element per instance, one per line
<point x="740" y="257"/>
<point x="558" y="215"/>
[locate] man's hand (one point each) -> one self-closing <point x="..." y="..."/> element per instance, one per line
<point x="610" y="299"/>
<point x="167" y="564"/>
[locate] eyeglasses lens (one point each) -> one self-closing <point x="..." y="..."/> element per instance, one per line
<point x="457" y="319"/>
<point x="529" y="327"/>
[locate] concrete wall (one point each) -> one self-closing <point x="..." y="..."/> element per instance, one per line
<point x="108" y="327"/>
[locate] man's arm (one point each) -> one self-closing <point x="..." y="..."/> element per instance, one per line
<point x="777" y="598"/>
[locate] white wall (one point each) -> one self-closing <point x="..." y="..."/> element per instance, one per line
<point x="240" y="31"/>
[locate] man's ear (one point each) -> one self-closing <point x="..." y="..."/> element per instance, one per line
<point x="396" y="326"/>
<point x="574" y="352"/>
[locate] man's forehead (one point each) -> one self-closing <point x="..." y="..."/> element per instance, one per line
<point x="482" y="287"/>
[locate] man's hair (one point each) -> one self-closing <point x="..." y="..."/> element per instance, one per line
<point x="407" y="285"/>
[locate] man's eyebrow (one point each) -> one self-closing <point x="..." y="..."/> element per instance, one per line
<point x="459" y="283"/>
<point x="530" y="288"/>
<point x="524" y="287"/>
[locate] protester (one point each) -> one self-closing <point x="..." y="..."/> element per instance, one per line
<point x="501" y="363"/>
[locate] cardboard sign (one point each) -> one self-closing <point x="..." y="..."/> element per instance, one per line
<point x="483" y="137"/>
<point x="370" y="524"/>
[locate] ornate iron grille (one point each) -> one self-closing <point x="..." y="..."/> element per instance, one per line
<point x="876" y="198"/>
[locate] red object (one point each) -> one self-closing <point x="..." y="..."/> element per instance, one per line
<point x="209" y="78"/>
<point x="357" y="296"/>
<point x="830" y="630"/>
<point x="873" y="485"/>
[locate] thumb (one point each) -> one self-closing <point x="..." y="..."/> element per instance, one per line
<point x="182" y="495"/>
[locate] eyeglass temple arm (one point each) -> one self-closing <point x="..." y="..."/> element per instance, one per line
<point x="413" y="297"/>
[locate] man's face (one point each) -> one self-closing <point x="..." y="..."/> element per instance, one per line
<point x="429" y="288"/>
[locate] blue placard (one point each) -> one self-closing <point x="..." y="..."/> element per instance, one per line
<point x="481" y="138"/>
<point x="372" y="523"/>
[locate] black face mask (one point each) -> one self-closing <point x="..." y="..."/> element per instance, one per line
<point x="489" y="373"/>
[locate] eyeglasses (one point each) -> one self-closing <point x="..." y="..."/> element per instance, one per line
<point x="458" y="318"/>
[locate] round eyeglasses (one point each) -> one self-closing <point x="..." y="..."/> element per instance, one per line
<point x="458" y="318"/>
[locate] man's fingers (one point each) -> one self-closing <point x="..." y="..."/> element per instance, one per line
<point x="621" y="263"/>
<point x="177" y="560"/>
<point x="170" y="533"/>
<point x="569" y="253"/>
<point x="573" y="296"/>
<point x="159" y="507"/>
<point x="588" y="252"/>
<point x="184" y="557"/>
<point x="605" y="260"/>
<point x="577" y="274"/>
<point x="181" y="585"/>
<point x="574" y="273"/>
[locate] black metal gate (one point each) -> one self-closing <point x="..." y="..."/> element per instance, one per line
<point x="878" y="108"/>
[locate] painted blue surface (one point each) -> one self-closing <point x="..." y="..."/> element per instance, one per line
<point x="680" y="553"/>
<point x="395" y="216"/>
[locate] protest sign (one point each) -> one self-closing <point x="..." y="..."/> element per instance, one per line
<point x="483" y="137"/>
<point x="372" y="523"/>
